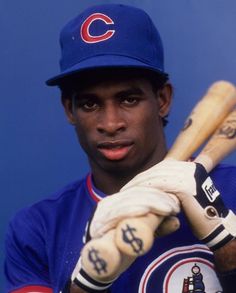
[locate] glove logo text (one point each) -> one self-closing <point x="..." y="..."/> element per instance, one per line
<point x="210" y="190"/>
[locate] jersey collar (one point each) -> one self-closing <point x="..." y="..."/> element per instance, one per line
<point x="95" y="193"/>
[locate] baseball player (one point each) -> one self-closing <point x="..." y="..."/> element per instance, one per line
<point x="117" y="96"/>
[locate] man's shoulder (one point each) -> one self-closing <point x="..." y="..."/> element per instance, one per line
<point x="54" y="204"/>
<point x="69" y="192"/>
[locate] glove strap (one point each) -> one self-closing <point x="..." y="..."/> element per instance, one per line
<point x="84" y="281"/>
<point x="223" y="233"/>
<point x="218" y="238"/>
<point x="210" y="200"/>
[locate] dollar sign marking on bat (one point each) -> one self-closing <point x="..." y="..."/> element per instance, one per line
<point x="129" y="237"/>
<point x="100" y="265"/>
<point x="229" y="130"/>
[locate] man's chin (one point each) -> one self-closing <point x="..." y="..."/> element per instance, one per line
<point x="121" y="168"/>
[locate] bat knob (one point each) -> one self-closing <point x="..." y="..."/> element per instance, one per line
<point x="101" y="258"/>
<point x="135" y="236"/>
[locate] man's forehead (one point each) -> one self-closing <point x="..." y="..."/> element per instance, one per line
<point x="99" y="76"/>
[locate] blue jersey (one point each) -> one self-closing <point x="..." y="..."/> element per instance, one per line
<point x="44" y="241"/>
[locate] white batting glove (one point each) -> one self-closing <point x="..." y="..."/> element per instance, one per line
<point x="210" y="220"/>
<point x="135" y="201"/>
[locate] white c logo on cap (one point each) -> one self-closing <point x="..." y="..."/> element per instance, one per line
<point x="84" y="31"/>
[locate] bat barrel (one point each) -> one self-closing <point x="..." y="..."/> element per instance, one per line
<point x="207" y="115"/>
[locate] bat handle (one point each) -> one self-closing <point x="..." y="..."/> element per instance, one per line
<point x="135" y="236"/>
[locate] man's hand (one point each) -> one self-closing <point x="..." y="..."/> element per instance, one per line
<point x="135" y="201"/>
<point x="209" y="219"/>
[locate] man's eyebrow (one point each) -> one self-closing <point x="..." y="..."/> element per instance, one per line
<point x="129" y="91"/>
<point x="119" y="94"/>
<point x="83" y="95"/>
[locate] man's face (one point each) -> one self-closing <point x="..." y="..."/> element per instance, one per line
<point x="119" y="123"/>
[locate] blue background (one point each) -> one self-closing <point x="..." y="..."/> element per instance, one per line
<point x="39" y="150"/>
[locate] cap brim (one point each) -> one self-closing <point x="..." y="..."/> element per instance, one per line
<point x="105" y="61"/>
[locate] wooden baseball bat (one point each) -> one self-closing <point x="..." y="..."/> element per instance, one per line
<point x="112" y="261"/>
<point x="203" y="120"/>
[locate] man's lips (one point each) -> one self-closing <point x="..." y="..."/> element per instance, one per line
<point x="115" y="150"/>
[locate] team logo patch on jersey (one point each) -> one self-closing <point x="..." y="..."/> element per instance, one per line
<point x="85" y="31"/>
<point x="187" y="269"/>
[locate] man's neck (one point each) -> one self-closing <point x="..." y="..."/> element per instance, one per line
<point x="111" y="183"/>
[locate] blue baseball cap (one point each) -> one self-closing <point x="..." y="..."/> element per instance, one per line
<point x="109" y="35"/>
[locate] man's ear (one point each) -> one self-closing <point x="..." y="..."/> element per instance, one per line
<point x="68" y="107"/>
<point x="165" y="99"/>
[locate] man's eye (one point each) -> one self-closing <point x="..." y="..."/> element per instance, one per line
<point x="130" y="101"/>
<point x="88" y="105"/>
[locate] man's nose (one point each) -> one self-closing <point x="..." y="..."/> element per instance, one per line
<point x="111" y="121"/>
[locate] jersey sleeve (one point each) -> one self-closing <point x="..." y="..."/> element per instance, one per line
<point x="224" y="177"/>
<point x="26" y="266"/>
